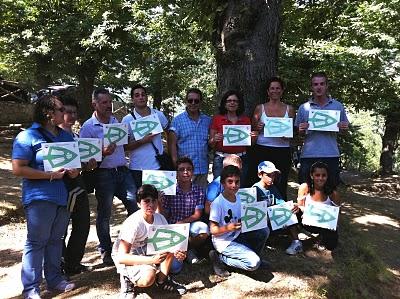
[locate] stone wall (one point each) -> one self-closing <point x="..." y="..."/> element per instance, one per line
<point x="15" y="113"/>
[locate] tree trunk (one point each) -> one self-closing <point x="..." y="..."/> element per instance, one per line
<point x="86" y="73"/>
<point x="157" y="92"/>
<point x="389" y="142"/>
<point x="247" y="42"/>
<point x="43" y="70"/>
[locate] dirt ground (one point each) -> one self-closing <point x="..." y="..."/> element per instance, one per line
<point x="372" y="207"/>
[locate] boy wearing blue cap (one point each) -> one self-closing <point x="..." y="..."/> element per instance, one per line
<point x="267" y="172"/>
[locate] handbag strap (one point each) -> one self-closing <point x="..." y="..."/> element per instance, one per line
<point x="42" y="131"/>
<point x="154" y="147"/>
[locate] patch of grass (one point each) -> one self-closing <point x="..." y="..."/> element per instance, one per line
<point x="357" y="271"/>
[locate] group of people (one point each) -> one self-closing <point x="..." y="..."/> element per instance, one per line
<point x="212" y="209"/>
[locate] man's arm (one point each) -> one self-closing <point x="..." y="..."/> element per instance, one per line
<point x="173" y="150"/>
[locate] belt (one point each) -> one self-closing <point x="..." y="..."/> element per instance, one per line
<point x="221" y="154"/>
<point x="118" y="168"/>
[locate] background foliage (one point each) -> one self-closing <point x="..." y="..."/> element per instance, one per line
<point x="168" y="46"/>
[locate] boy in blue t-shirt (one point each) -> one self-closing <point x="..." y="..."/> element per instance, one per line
<point x="233" y="248"/>
<point x="266" y="191"/>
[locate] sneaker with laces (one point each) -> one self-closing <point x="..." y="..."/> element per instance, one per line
<point x="64" y="286"/>
<point x="191" y="257"/>
<point x="218" y="266"/>
<point x="295" y="247"/>
<point x="171" y="286"/>
<point x="127" y="288"/>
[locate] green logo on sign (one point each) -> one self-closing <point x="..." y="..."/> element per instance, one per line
<point x="280" y="216"/>
<point x="276" y="126"/>
<point x="321" y="215"/>
<point x="246" y="197"/>
<point x="59" y="156"/>
<point x="143" y="128"/>
<point x="160" y="182"/>
<point x="114" y="134"/>
<point x="165" y="238"/>
<point x="252" y="216"/>
<point x="234" y="135"/>
<point x="321" y="120"/>
<point x="87" y="150"/>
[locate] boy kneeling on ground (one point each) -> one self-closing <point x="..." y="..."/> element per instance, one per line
<point x="133" y="264"/>
<point x="266" y="191"/>
<point x="233" y="248"/>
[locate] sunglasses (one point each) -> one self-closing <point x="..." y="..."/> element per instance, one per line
<point x="193" y="101"/>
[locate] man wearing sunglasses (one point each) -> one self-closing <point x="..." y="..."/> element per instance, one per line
<point x="188" y="136"/>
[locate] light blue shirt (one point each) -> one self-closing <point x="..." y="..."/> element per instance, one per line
<point x="28" y="146"/>
<point x="92" y="128"/>
<point x="214" y="189"/>
<point x="320" y="144"/>
<point x="192" y="139"/>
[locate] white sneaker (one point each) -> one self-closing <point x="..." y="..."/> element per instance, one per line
<point x="295" y="247"/>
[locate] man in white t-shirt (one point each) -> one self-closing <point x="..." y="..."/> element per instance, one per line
<point x="129" y="253"/>
<point x="142" y="154"/>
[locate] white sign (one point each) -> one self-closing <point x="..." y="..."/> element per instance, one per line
<point x="115" y="133"/>
<point x="167" y="238"/>
<point x="281" y="215"/>
<point x="163" y="180"/>
<point x="145" y="126"/>
<point x="278" y="127"/>
<point x="320" y="215"/>
<point x="59" y="155"/>
<point x="90" y="148"/>
<point x="236" y="135"/>
<point x="254" y="216"/>
<point x="323" y="120"/>
<point x="247" y="195"/>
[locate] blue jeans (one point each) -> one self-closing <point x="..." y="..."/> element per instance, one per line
<point x="244" y="252"/>
<point x="112" y="182"/>
<point x="46" y="223"/>
<point x="218" y="166"/>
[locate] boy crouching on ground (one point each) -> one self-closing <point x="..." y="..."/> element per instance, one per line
<point x="233" y="248"/>
<point x="129" y="251"/>
<point x="266" y="191"/>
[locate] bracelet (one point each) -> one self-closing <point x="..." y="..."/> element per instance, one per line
<point x="51" y="177"/>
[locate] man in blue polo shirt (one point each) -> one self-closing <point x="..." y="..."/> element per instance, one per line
<point x="188" y="136"/>
<point x="320" y="145"/>
<point x="112" y="176"/>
